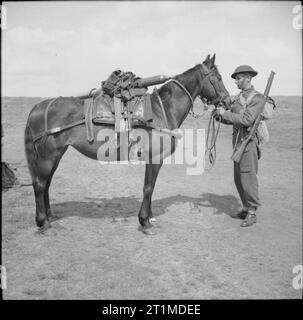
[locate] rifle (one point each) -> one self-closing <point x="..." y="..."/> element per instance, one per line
<point x="239" y="150"/>
<point x="140" y="83"/>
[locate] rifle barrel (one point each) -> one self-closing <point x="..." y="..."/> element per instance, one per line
<point x="269" y="83"/>
<point x="151" y="81"/>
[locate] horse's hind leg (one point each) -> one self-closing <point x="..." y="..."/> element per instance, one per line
<point x="56" y="161"/>
<point x="41" y="171"/>
<point x="40" y="187"/>
<point x="42" y="175"/>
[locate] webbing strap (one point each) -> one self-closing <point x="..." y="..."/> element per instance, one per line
<point x="185" y="90"/>
<point x="58" y="129"/>
<point x="88" y="121"/>
<point x="46" y="112"/>
<point x="246" y="101"/>
<point x="162" y="107"/>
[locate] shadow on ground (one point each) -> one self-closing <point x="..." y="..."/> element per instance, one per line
<point x="130" y="206"/>
<point x="226" y="204"/>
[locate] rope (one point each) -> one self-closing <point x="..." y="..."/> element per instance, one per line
<point x="211" y="138"/>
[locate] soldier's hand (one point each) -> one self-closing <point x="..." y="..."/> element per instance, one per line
<point x="215" y="115"/>
<point x="220" y="111"/>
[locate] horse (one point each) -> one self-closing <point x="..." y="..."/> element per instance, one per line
<point x="43" y="155"/>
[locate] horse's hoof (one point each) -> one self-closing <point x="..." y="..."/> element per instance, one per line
<point x="154" y="223"/>
<point x="53" y="217"/>
<point x="45" y="227"/>
<point x="149" y="231"/>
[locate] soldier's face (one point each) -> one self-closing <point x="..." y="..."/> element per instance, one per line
<point x="242" y="81"/>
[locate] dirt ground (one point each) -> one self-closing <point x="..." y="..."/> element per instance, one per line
<point x="94" y="249"/>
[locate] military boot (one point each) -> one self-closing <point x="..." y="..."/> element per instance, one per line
<point x="250" y="219"/>
<point x="240" y="215"/>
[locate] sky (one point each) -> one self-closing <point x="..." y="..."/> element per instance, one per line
<point x="67" y="48"/>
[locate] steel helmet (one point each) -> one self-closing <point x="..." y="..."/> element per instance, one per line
<point x="244" y="69"/>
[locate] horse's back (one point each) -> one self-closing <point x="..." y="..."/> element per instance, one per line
<point x="55" y="111"/>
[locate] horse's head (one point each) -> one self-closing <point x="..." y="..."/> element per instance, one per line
<point x="212" y="87"/>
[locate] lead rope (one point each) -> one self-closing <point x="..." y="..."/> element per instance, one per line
<point x="211" y="140"/>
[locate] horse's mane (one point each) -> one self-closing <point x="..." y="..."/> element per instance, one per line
<point x="215" y="67"/>
<point x="190" y="70"/>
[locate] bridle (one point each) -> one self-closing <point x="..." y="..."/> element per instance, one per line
<point x="208" y="75"/>
<point x="205" y="75"/>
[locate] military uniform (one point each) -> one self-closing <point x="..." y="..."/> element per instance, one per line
<point x="242" y="117"/>
<point x="245" y="172"/>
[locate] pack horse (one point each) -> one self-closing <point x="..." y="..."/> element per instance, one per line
<point x="121" y="107"/>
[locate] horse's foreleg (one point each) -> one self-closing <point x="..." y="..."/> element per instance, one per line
<point x="151" y="174"/>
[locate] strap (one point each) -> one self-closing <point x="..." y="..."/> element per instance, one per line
<point x="186" y="91"/>
<point x="245" y="102"/>
<point x="161" y="105"/>
<point x="88" y="121"/>
<point x="249" y="98"/>
<point x="118" y="116"/>
<point x="148" y="113"/>
<point x="58" y="129"/>
<point x="46" y="112"/>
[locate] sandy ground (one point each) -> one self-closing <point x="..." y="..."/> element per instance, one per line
<point x="95" y="251"/>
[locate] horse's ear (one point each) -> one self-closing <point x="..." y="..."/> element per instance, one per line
<point x="212" y="60"/>
<point x="207" y="61"/>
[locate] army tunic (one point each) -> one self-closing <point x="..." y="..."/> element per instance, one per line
<point x="245" y="173"/>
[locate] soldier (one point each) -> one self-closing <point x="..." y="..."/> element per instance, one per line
<point x="244" y="110"/>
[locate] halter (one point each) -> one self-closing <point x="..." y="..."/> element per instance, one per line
<point x="207" y="75"/>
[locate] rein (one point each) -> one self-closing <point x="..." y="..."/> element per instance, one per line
<point x="211" y="139"/>
<point x="212" y="131"/>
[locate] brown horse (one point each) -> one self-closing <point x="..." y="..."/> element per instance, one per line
<point x="43" y="155"/>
